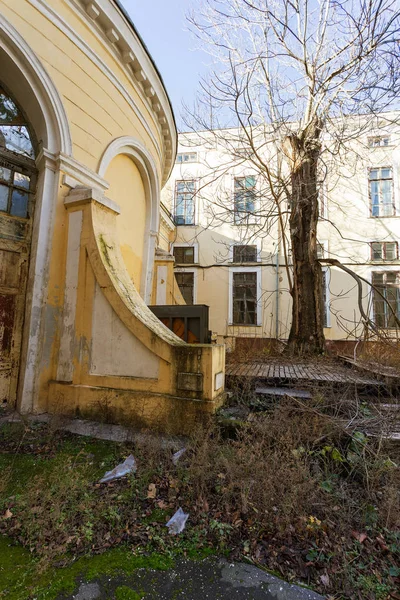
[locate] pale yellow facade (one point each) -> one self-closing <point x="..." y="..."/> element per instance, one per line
<point x="346" y="231"/>
<point x="105" y="140"/>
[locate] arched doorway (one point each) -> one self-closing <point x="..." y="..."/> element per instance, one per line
<point x="17" y="187"/>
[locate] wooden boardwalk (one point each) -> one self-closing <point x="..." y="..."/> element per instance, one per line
<point x="284" y="370"/>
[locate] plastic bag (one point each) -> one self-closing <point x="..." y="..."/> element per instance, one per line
<point x="177" y="455"/>
<point x="177" y="523"/>
<point x="128" y="466"/>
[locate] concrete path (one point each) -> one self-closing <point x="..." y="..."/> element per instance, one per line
<point x="211" y="579"/>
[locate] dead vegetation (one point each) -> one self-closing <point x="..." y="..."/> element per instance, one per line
<point x="300" y="490"/>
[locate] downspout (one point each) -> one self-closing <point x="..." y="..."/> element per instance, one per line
<point x="277" y="294"/>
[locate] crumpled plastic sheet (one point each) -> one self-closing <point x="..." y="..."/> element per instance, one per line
<point x="177" y="523"/>
<point x="177" y="455"/>
<point x="128" y="466"/>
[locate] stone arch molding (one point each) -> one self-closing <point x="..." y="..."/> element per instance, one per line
<point x="27" y="79"/>
<point x="144" y="161"/>
<point x="55" y="132"/>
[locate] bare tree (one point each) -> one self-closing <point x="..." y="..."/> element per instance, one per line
<point x="288" y="76"/>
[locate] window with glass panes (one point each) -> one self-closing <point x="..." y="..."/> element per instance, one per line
<point x="185" y="202"/>
<point x="15" y="187"/>
<point x="244" y="198"/>
<point x="378" y="141"/>
<point x="185" y="281"/>
<point x="17" y="166"/>
<point x="244" y="300"/>
<point x="386" y="298"/>
<point x="381" y="192"/>
<point x="384" y="251"/>
<point x="244" y="253"/>
<point x="186" y="157"/>
<point x="184" y="255"/>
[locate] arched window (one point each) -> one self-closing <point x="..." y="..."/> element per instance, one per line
<point x="17" y="165"/>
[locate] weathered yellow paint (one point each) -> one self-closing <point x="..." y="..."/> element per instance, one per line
<point x="127" y="190"/>
<point x="105" y="255"/>
<point x="96" y="109"/>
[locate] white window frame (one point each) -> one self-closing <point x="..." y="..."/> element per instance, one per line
<point x="383" y="260"/>
<point x="245" y="269"/>
<point x="186" y="245"/>
<point x="328" y="277"/>
<point x="186" y="162"/>
<point x="379" y="269"/>
<point x="255" y="218"/>
<point x="395" y="195"/>
<point x="195" y="274"/>
<point x="381" y="135"/>
<point x="195" y="199"/>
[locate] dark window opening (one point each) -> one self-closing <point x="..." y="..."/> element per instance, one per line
<point x="184" y="255"/>
<point x="244" y="254"/>
<point x="387" y="302"/>
<point x="185" y="283"/>
<point x="244" y="298"/>
<point x="384" y="251"/>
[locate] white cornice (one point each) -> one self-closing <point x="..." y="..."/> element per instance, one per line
<point x="166" y="219"/>
<point x="108" y="21"/>
<point x="79" y="174"/>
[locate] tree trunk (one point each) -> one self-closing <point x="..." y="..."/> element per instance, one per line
<point x="306" y="333"/>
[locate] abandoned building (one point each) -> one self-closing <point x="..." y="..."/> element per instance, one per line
<point x="87" y="140"/>
<point x="229" y="244"/>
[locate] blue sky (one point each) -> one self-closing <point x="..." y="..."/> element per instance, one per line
<point x="161" y="23"/>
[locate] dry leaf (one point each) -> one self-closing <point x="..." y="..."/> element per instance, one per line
<point x="8" y="514"/>
<point x="325" y="580"/>
<point x="360" y="537"/>
<point x="152" y="491"/>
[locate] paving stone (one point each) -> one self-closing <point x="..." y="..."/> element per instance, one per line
<point x="88" y="591"/>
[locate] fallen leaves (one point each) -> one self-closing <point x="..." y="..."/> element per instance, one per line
<point x="152" y="491"/>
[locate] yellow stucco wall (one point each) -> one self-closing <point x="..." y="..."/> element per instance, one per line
<point x="103" y="240"/>
<point x="127" y="190"/>
<point x="86" y="72"/>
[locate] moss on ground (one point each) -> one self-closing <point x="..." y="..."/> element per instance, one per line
<point x="125" y="593"/>
<point x="20" y="580"/>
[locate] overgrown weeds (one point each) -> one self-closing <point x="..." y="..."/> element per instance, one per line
<point x="299" y="491"/>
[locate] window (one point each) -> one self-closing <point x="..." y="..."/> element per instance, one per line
<point x="244" y="293"/>
<point x="184" y="202"/>
<point x="384" y="251"/>
<point x="14" y="134"/>
<point x="184" y="255"/>
<point x="185" y="281"/>
<point x="244" y="198"/>
<point x="381" y="192"/>
<point x="243" y="254"/>
<point x="388" y="284"/>
<point x="378" y="141"/>
<point x="14" y="190"/>
<point x="186" y="157"/>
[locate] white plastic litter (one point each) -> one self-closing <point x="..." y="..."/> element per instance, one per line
<point x="177" y="455"/>
<point x="177" y="523"/>
<point x="128" y="466"/>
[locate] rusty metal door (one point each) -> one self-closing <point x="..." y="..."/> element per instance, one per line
<point x="17" y="182"/>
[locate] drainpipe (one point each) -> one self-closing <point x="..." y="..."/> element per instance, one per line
<point x="277" y="294"/>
